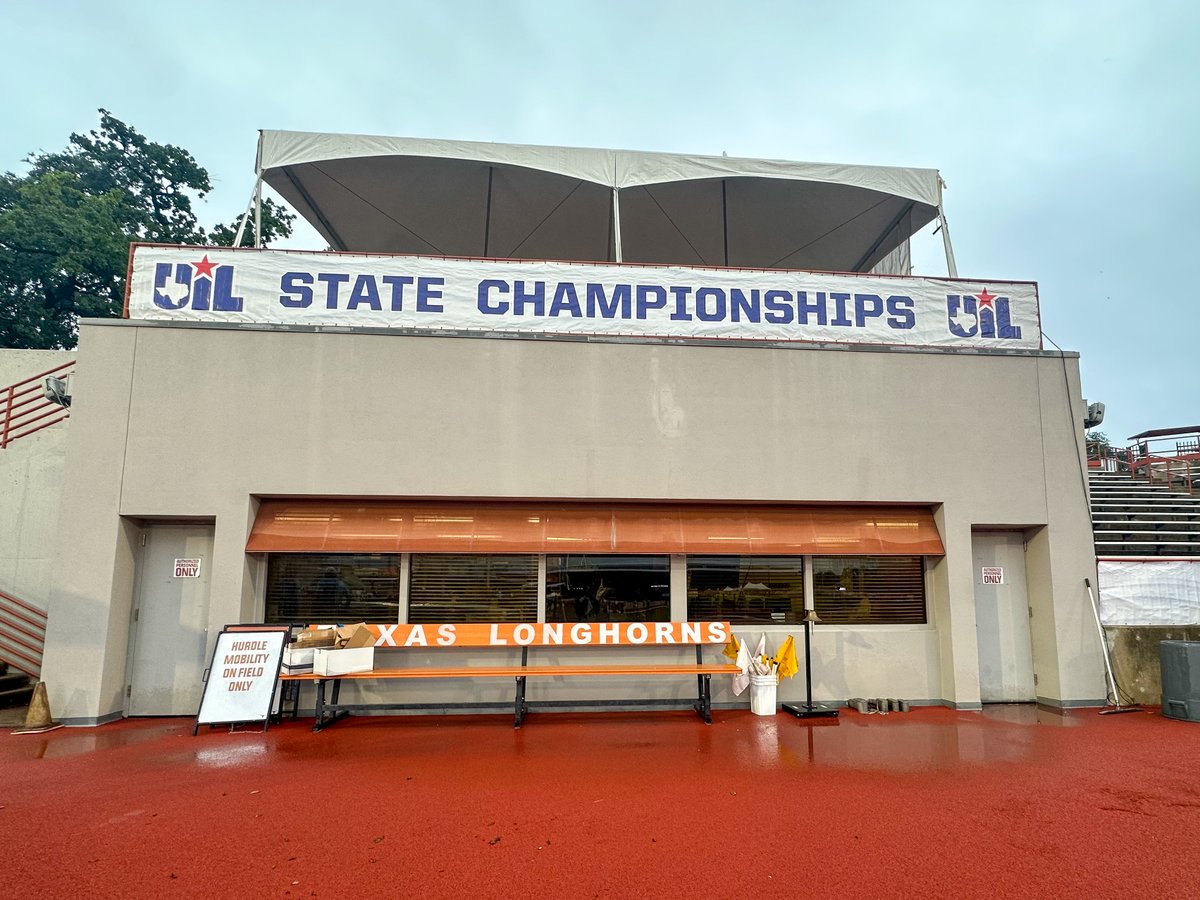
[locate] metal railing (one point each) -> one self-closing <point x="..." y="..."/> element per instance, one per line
<point x="22" y="635"/>
<point x="24" y="408"/>
<point x="1171" y="458"/>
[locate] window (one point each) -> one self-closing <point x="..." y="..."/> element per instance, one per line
<point x="746" y="589"/>
<point x="608" y="588"/>
<point x="459" y="587"/>
<point x="328" y="588"/>
<point x="869" y="590"/>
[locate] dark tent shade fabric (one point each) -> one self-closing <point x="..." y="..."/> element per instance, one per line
<point x="503" y="201"/>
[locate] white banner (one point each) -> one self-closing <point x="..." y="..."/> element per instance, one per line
<point x="1150" y="593"/>
<point x="188" y="284"/>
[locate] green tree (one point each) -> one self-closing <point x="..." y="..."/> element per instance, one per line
<point x="66" y="226"/>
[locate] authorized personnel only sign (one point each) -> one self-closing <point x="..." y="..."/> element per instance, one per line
<point x="242" y="676"/>
<point x="993" y="575"/>
<point x="187" y="568"/>
<point x="431" y="294"/>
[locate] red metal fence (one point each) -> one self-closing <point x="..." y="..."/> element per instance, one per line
<point x="22" y="635"/>
<point x="24" y="408"/>
<point x="1171" y="457"/>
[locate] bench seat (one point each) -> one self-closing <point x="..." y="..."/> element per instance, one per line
<point x="329" y="710"/>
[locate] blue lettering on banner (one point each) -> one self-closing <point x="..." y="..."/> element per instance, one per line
<point x="297" y="290"/>
<point x="427" y="292"/>
<point x="644" y="303"/>
<point x="566" y="300"/>
<point x="681" y="314"/>
<point x="984" y="314"/>
<point x="900" y="312"/>
<point x="202" y="285"/>
<point x="779" y="307"/>
<point x="608" y="306"/>
<point x="717" y="313"/>
<point x="484" y="302"/>
<point x="839" y="316"/>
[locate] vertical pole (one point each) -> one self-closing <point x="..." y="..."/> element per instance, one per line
<point x="487" y="214"/>
<point x="808" y="662"/>
<point x="725" y="219"/>
<point x="951" y="265"/>
<point x="258" y="212"/>
<point x="617" y="251"/>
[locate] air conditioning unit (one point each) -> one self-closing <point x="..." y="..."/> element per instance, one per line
<point x="1180" y="663"/>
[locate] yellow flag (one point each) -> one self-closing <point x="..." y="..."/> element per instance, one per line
<point x="785" y="659"/>
<point x="731" y="649"/>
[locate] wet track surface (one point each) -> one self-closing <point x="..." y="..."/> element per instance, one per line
<point x="1015" y="801"/>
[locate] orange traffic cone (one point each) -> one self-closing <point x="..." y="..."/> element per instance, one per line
<point x="38" y="718"/>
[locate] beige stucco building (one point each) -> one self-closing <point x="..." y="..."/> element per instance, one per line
<point x="188" y="436"/>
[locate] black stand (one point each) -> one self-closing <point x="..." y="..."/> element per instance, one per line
<point x="809" y="710"/>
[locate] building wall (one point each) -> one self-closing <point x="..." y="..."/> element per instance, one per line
<point x="194" y="423"/>
<point x="31" y="471"/>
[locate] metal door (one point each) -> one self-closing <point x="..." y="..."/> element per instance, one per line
<point x="1002" y="618"/>
<point x="169" y="633"/>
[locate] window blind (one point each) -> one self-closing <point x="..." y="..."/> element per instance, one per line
<point x="870" y="590"/>
<point x="455" y="587"/>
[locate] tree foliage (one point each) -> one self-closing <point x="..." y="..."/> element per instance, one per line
<point x="66" y="226"/>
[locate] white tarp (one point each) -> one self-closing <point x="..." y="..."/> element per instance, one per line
<point x="1150" y="593"/>
<point x="370" y="194"/>
<point x="434" y="294"/>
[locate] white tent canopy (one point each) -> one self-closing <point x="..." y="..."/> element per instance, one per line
<point x="458" y="198"/>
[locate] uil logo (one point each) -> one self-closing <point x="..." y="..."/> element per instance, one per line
<point x="200" y="285"/>
<point x="981" y="315"/>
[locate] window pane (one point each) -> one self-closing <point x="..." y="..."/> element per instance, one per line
<point x="870" y="590"/>
<point x="458" y="587"/>
<point x="327" y="588"/>
<point x="608" y="588"/>
<point x="746" y="589"/>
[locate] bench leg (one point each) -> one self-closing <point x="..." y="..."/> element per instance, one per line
<point x="520" y="704"/>
<point x="319" y="709"/>
<point x="704" y="704"/>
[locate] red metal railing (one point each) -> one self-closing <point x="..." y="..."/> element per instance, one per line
<point x="1171" y="457"/>
<point x="24" y="408"/>
<point x="22" y="635"/>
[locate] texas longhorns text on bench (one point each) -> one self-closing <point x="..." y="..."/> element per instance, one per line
<point x="392" y="642"/>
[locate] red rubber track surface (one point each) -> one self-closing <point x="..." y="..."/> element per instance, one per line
<point x="1013" y="802"/>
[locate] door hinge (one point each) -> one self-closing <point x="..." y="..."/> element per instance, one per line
<point x="129" y="690"/>
<point x="1030" y="608"/>
<point x="136" y="614"/>
<point x="143" y="539"/>
<point x="1035" y="677"/>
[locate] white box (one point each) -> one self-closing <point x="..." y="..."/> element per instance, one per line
<point x="343" y="662"/>
<point x="297" y="660"/>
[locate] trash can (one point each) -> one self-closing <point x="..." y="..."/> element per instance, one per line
<point x="1180" y="663"/>
<point x="762" y="694"/>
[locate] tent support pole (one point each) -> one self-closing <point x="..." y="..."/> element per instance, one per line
<point x="487" y="215"/>
<point x="951" y="266"/>
<point x="725" y="218"/>
<point x="237" y="240"/>
<point x="617" y="227"/>
<point x="258" y="212"/>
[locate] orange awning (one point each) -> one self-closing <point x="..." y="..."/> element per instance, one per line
<point x="364" y="526"/>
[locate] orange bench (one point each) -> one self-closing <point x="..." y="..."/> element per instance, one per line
<point x="533" y="636"/>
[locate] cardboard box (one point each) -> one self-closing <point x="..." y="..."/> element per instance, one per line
<point x="351" y="636"/>
<point x="297" y="660"/>
<point x="343" y="662"/>
<point x="320" y="637"/>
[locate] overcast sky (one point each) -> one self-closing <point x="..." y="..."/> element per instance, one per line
<point x="1068" y="133"/>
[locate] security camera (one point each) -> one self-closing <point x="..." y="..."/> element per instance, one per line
<point x="55" y="390"/>
<point x="1094" y="415"/>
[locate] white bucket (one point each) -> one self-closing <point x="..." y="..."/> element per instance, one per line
<point x="762" y="694"/>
